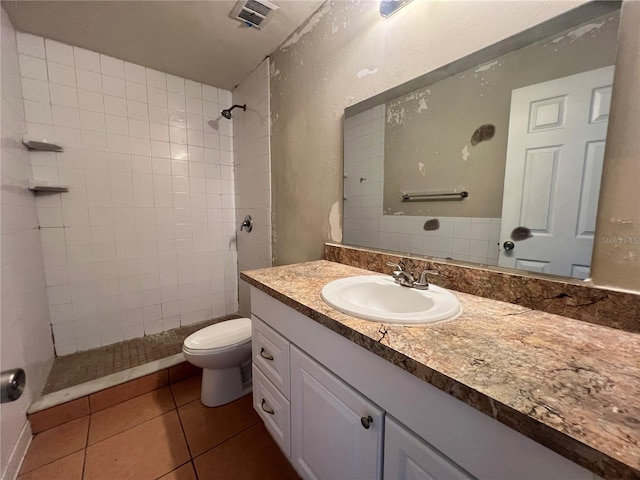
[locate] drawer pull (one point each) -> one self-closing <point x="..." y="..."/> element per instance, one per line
<point x="265" y="355"/>
<point x="267" y="410"/>
<point x="365" y="421"/>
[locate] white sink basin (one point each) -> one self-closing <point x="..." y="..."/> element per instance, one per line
<point x="380" y="299"/>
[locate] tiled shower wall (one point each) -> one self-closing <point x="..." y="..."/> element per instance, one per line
<point x="144" y="240"/>
<point x="26" y="335"/>
<point x="462" y="238"/>
<point x="252" y="175"/>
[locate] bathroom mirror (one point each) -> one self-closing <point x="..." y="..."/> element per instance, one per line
<point x="493" y="159"/>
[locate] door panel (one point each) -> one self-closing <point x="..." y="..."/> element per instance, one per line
<point x="328" y="439"/>
<point x="555" y="151"/>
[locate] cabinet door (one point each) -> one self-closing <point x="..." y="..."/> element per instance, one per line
<point x="408" y="457"/>
<point x="336" y="433"/>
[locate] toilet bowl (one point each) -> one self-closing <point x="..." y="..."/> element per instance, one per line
<point x="223" y="351"/>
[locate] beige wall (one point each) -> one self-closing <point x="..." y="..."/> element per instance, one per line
<point x="617" y="246"/>
<point x="345" y="53"/>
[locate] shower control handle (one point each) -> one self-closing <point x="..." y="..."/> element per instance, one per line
<point x="247" y="224"/>
<point x="266" y="356"/>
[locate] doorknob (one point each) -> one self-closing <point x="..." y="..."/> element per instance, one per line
<point x="508" y="245"/>
<point x="366" y="421"/>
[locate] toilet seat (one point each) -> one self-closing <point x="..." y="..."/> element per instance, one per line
<point x="220" y="337"/>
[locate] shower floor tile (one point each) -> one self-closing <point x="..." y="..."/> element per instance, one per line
<point x="81" y="367"/>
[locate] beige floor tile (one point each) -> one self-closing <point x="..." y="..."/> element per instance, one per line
<point x="121" y="393"/>
<point x="185" y="472"/>
<point x="146" y="451"/>
<point x="187" y="390"/>
<point x="67" y="468"/>
<point x="182" y="371"/>
<point x="251" y="455"/>
<point x="123" y="416"/>
<point x="52" y="417"/>
<point x="207" y="427"/>
<point x="56" y="443"/>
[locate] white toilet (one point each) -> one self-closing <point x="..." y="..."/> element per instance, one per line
<point x="223" y="351"/>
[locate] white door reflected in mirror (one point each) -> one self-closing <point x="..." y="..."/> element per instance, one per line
<point x="557" y="133"/>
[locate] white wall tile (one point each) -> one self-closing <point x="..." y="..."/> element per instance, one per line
<point x="156" y="79"/>
<point x="59" y="52"/>
<point x="90" y="101"/>
<point x="38" y="112"/>
<point x="175" y="84"/>
<point x="210" y="93"/>
<point x="193" y="89"/>
<point x="35" y="90"/>
<point x="136" y="91"/>
<point x="86" y="59"/>
<point x="90" y="81"/>
<point x="30" y="45"/>
<point x="61" y="74"/>
<point x="35" y="68"/>
<point x="135" y="73"/>
<point x="113" y="86"/>
<point x="157" y="96"/>
<point x="111" y="66"/>
<point x="64" y="96"/>
<point x="139" y="209"/>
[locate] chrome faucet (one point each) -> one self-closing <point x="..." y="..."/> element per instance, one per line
<point x="406" y="279"/>
<point x="423" y="284"/>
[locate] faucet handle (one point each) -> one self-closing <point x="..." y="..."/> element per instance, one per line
<point x="398" y="266"/>
<point x="423" y="284"/>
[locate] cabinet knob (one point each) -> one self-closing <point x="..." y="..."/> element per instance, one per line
<point x="265" y="355"/>
<point x="366" y="422"/>
<point x="270" y="411"/>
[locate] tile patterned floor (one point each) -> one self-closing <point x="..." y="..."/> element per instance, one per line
<point x="78" y="368"/>
<point x="163" y="434"/>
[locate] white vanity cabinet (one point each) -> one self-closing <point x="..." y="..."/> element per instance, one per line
<point x="336" y="432"/>
<point x="327" y="383"/>
<point x="408" y="457"/>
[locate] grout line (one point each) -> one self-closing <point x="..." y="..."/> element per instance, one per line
<point x="228" y="439"/>
<point x="174" y="469"/>
<point x="86" y="446"/>
<point x="21" y="473"/>
<point x="184" y="433"/>
<point x="132" y="426"/>
<point x="195" y="471"/>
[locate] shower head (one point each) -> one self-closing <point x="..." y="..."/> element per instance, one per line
<point x="227" y="113"/>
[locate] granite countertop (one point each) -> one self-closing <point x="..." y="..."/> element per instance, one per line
<point x="570" y="385"/>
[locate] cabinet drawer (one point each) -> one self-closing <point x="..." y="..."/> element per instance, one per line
<point x="274" y="410"/>
<point x="271" y="354"/>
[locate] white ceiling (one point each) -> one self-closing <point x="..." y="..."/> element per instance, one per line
<point x="192" y="39"/>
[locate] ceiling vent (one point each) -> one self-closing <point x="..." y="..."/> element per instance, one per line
<point x="255" y="13"/>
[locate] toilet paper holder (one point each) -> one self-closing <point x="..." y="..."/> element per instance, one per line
<point x="12" y="383"/>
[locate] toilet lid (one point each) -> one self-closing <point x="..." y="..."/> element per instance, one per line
<point x="220" y="335"/>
